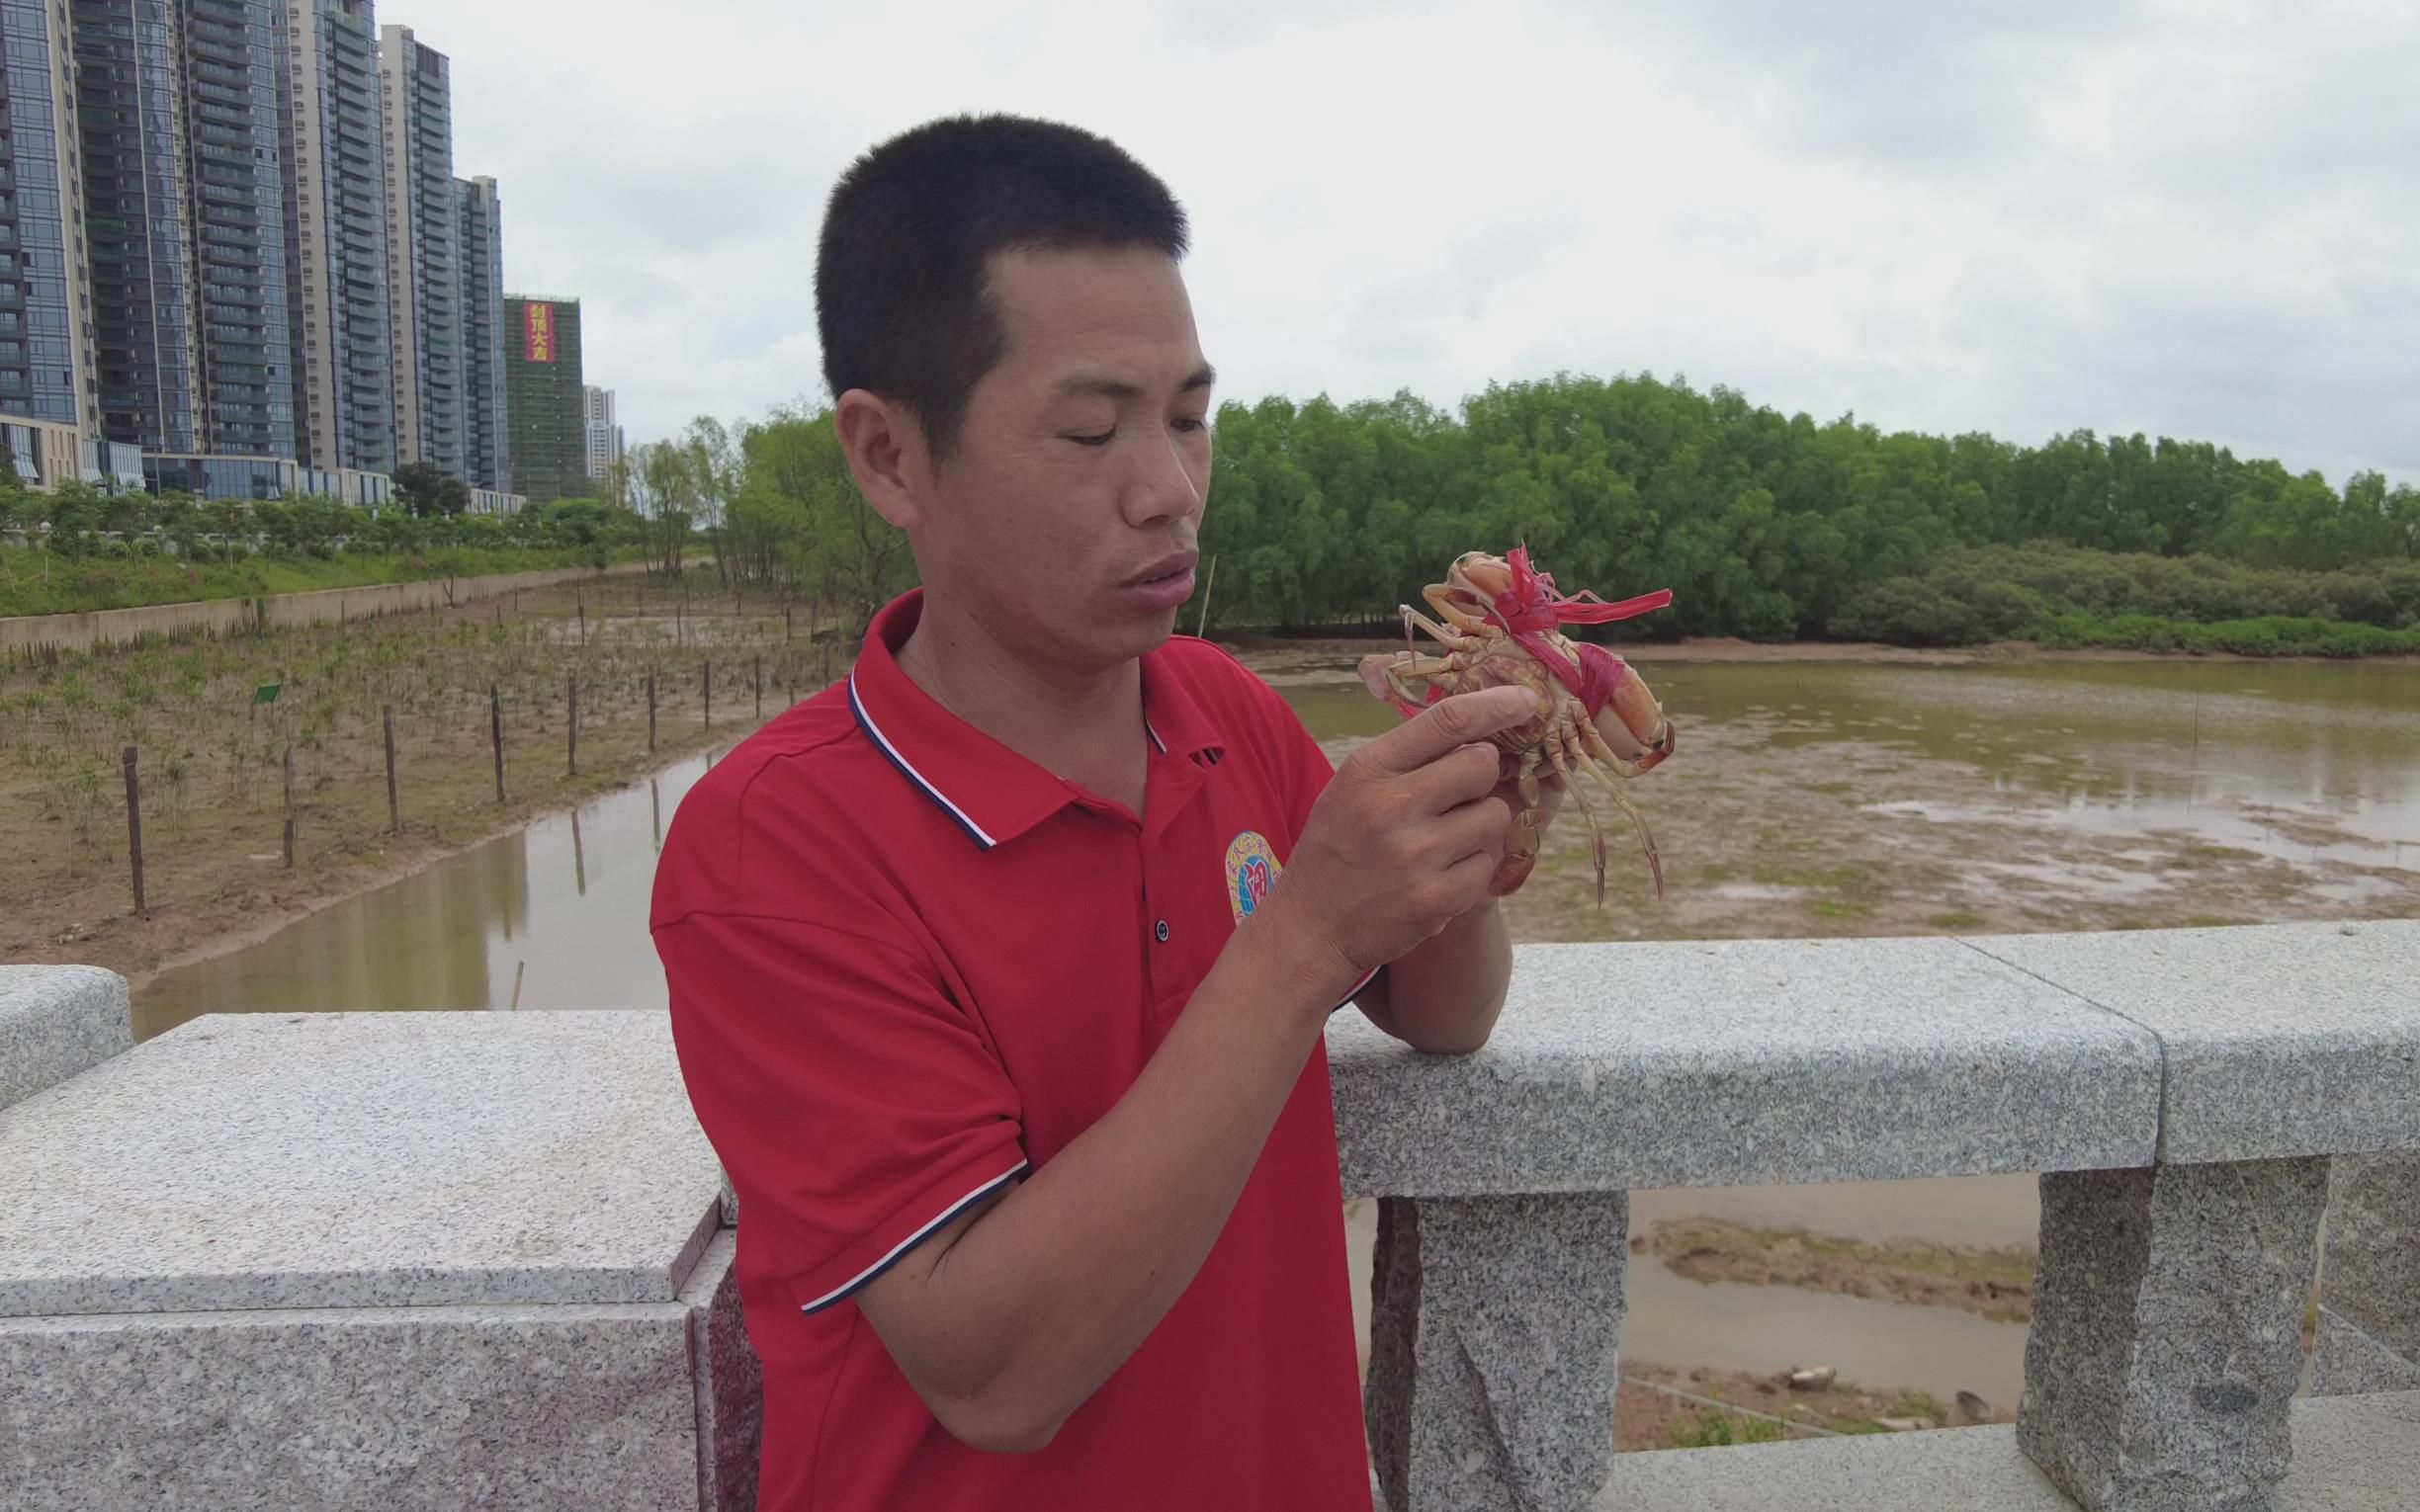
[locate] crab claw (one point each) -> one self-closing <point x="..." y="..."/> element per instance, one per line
<point x="1520" y="856"/>
<point x="1633" y="725"/>
<point x="1374" y="678"/>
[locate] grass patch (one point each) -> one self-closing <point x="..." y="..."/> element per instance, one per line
<point x="31" y="585"/>
<point x="1840" y="908"/>
<point x="1956" y="920"/>
<point x="1714" y="1429"/>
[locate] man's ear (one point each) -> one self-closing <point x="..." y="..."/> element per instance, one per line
<point x="885" y="446"/>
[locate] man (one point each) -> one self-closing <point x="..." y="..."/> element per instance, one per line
<point x="998" y="972"/>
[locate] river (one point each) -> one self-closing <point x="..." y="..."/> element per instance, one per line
<point x="1819" y="798"/>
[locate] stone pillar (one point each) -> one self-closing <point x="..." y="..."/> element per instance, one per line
<point x="2370" y="1286"/>
<point x="1495" y="1333"/>
<point x="2167" y="1335"/>
<point x="59" y="1022"/>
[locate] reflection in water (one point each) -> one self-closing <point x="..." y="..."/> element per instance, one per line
<point x="553" y="916"/>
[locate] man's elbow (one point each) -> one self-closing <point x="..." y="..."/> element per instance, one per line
<point x="1457" y="1039"/>
<point x="998" y="1426"/>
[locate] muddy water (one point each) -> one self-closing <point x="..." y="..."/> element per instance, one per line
<point x="553" y="916"/>
<point x="1841" y="799"/>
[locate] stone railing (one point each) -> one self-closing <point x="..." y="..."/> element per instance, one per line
<point x="381" y="1261"/>
<point x="448" y="1260"/>
<point x="2180" y="1092"/>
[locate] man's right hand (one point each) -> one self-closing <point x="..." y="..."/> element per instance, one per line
<point x="1402" y="839"/>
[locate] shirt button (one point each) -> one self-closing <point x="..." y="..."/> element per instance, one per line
<point x="1162" y="930"/>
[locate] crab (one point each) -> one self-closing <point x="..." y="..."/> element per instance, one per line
<point x="1503" y="624"/>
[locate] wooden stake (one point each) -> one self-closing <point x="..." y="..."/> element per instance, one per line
<point x="290" y="814"/>
<point x="582" y="600"/>
<point x="785" y="623"/>
<point x="496" y="726"/>
<point x="133" y="787"/>
<point x="759" y="674"/>
<point x="394" y="811"/>
<point x="573" y="723"/>
<point x="1203" y="619"/>
<point x="651" y="709"/>
<point x="710" y="693"/>
<point x="519" y="967"/>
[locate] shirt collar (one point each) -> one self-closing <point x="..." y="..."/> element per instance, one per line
<point x="989" y="790"/>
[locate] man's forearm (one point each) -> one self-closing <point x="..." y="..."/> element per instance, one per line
<point x="1443" y="996"/>
<point x="1026" y="1307"/>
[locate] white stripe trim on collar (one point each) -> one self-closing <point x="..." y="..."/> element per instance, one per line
<point x="981" y="837"/>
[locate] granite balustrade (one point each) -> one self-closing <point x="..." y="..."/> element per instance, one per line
<point x="2182" y="1095"/>
<point x="441" y="1260"/>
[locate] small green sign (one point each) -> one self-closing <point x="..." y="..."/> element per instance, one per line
<point x="267" y="692"/>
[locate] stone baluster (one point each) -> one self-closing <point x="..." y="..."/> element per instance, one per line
<point x="2370" y="1284"/>
<point x="1495" y="1335"/>
<point x="2167" y="1334"/>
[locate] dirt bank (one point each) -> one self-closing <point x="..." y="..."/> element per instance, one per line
<point x="212" y="760"/>
<point x="1996" y="1283"/>
<point x="1646" y="1418"/>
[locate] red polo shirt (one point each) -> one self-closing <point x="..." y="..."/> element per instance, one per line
<point x="908" y="965"/>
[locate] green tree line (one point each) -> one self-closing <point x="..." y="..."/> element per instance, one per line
<point x="78" y="522"/>
<point x="1766" y="525"/>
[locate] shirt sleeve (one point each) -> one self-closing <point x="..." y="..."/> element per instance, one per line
<point x="855" y="1107"/>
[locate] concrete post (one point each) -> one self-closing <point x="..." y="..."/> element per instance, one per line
<point x="2167" y="1335"/>
<point x="1495" y="1329"/>
<point x="2370" y="1286"/>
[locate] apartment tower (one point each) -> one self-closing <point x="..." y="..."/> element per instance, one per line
<point x="544" y="396"/>
<point x="486" y="435"/>
<point x="339" y="300"/>
<point x="48" y="369"/>
<point x="423" y="252"/>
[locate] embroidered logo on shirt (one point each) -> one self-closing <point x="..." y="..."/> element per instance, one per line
<point x="1251" y="871"/>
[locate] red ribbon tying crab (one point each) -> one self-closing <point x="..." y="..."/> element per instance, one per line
<point x="1531" y="609"/>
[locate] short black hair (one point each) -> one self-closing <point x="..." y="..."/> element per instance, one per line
<point x="901" y="304"/>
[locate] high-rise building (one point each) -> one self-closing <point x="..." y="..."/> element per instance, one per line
<point x="487" y="432"/>
<point x="603" y="436"/>
<point x="423" y="251"/>
<point x="544" y="396"/>
<point x="131" y="126"/>
<point x="239" y="217"/>
<point x="338" y="299"/>
<point x="46" y="366"/>
<point x="185" y="216"/>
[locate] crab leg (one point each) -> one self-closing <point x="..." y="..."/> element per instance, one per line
<point x="1655" y="861"/>
<point x="1386" y="679"/>
<point x="1588" y="811"/>
<point x="1460" y="619"/>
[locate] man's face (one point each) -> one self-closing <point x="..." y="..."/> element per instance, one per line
<point x="1068" y="516"/>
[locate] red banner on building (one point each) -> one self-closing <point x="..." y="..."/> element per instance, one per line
<point x="539" y="319"/>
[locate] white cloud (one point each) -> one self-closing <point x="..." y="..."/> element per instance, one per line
<point x="2028" y="218"/>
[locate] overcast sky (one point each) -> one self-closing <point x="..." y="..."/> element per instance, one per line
<point x="2190" y="219"/>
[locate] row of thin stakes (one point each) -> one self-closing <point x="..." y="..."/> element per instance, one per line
<point x="394" y="809"/>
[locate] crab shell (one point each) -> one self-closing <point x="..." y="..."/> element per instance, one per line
<point x="1631" y="722"/>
